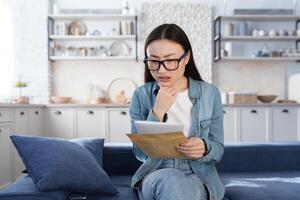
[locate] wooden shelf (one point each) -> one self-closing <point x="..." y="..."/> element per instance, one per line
<point x="83" y="37"/>
<point x="53" y="18"/>
<point x="58" y="58"/>
<point x="259" y="38"/>
<point x="91" y="16"/>
<point x="261" y="17"/>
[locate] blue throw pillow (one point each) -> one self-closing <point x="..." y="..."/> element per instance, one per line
<point x="59" y="164"/>
<point x="94" y="145"/>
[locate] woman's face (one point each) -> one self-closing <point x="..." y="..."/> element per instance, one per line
<point x="164" y="50"/>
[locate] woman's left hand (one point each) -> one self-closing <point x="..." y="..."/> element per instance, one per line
<point x="194" y="148"/>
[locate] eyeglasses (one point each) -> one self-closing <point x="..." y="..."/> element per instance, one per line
<point x="169" y="64"/>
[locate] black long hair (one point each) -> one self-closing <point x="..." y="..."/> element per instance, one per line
<point x="174" y="33"/>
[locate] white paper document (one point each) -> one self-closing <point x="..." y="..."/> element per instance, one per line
<point x="148" y="127"/>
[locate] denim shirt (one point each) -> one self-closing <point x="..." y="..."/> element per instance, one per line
<point x="207" y="124"/>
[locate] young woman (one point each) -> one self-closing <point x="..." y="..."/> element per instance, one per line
<point x="175" y="92"/>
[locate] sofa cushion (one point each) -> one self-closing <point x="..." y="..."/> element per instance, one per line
<point x="56" y="164"/>
<point x="25" y="189"/>
<point x="262" y="185"/>
<point x="122" y="183"/>
<point x="274" y="156"/>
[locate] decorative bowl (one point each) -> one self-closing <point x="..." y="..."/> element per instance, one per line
<point x="266" y="98"/>
<point x="60" y="99"/>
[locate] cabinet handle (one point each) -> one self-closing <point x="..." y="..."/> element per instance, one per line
<point x="57" y="112"/>
<point x="254" y="111"/>
<point x="36" y="112"/>
<point x="0" y="131"/>
<point x="90" y="112"/>
<point x="0" y="114"/>
<point x="285" y="111"/>
<point x="123" y="113"/>
<point x="22" y="113"/>
<point x="224" y="111"/>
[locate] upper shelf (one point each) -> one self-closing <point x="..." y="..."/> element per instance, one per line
<point x="259" y="38"/>
<point x="94" y="37"/>
<point x="261" y="17"/>
<point x="91" y="16"/>
<point x="83" y="58"/>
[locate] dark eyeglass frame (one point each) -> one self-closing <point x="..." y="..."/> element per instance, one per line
<point x="161" y="62"/>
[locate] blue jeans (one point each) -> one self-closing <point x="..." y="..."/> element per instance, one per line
<point x="173" y="180"/>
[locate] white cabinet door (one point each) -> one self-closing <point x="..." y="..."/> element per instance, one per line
<point x="253" y="124"/>
<point x="6" y="115"/>
<point x="118" y="124"/>
<point x="6" y="176"/>
<point x="21" y="120"/>
<point x="60" y="123"/>
<point x="90" y="122"/>
<point x="230" y="124"/>
<point x="36" y="121"/>
<point x="284" y="123"/>
<point x="21" y="123"/>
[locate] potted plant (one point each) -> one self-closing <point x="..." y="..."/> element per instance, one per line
<point x="21" y="99"/>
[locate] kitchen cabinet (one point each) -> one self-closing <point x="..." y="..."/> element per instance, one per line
<point x="21" y="122"/>
<point x="118" y="123"/>
<point x="254" y="124"/>
<point x="6" y="115"/>
<point x="36" y="121"/>
<point x="6" y="155"/>
<point x="6" y="169"/>
<point x="27" y="121"/>
<point x="284" y="124"/>
<point x="91" y="122"/>
<point x="230" y="124"/>
<point x="60" y="122"/>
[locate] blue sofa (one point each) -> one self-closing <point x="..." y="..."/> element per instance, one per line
<point x="249" y="172"/>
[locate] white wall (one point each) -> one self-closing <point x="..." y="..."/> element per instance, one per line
<point x="30" y="52"/>
<point x="71" y="78"/>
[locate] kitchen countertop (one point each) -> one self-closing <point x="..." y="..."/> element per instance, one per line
<point x="67" y="105"/>
<point x="102" y="105"/>
<point x="115" y="105"/>
<point x="263" y="105"/>
<point x="13" y="105"/>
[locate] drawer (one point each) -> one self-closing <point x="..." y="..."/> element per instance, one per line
<point x="6" y="115"/>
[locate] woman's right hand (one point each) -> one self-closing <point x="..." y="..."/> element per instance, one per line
<point x="164" y="100"/>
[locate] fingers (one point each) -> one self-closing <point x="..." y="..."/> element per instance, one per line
<point x="193" y="153"/>
<point x="194" y="141"/>
<point x="168" y="90"/>
<point x="193" y="148"/>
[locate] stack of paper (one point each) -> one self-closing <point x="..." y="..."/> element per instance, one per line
<point x="158" y="140"/>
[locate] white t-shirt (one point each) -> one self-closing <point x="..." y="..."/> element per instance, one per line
<point x="180" y="112"/>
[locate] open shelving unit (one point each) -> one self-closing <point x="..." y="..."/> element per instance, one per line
<point x="219" y="38"/>
<point x="81" y="58"/>
<point x="91" y="17"/>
